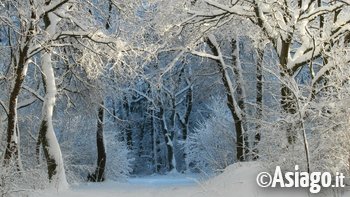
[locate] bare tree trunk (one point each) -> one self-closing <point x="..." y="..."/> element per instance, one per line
<point x="18" y="155"/>
<point x="155" y="138"/>
<point x="47" y="136"/>
<point x="12" y="137"/>
<point x="172" y="133"/>
<point x="128" y="131"/>
<point x="241" y="95"/>
<point x="21" y="72"/>
<point x="230" y="101"/>
<point x="167" y="138"/>
<point x="154" y="143"/>
<point x="259" y="100"/>
<point x="184" y="121"/>
<point x="287" y="101"/>
<point x="99" y="174"/>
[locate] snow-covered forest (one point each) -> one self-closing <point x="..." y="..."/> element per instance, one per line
<point x="105" y="90"/>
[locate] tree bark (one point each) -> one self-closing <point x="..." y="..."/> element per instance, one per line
<point x="154" y="143"/>
<point x="230" y="103"/>
<point x="21" y="72"/>
<point x="240" y="92"/>
<point x="128" y="132"/>
<point x="287" y="101"/>
<point x="171" y="133"/>
<point x="12" y="137"/>
<point x="99" y="174"/>
<point x="167" y="139"/>
<point x="259" y="100"/>
<point x="47" y="136"/>
<point x="184" y="121"/>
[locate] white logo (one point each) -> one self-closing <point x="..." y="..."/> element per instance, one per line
<point x="315" y="180"/>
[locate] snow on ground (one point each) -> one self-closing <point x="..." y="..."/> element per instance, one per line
<point x="237" y="180"/>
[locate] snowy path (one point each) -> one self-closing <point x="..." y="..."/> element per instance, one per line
<point x="238" y="180"/>
<point x="156" y="181"/>
<point x="152" y="186"/>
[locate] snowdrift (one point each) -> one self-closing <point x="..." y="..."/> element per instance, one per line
<point x="237" y="180"/>
<point x="240" y="180"/>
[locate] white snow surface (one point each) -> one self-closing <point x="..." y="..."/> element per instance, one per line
<point x="237" y="180"/>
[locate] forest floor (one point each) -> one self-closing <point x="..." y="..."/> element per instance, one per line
<point x="237" y="180"/>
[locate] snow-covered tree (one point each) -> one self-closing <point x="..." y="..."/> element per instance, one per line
<point x="53" y="25"/>
<point x="299" y="31"/>
<point x="211" y="147"/>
